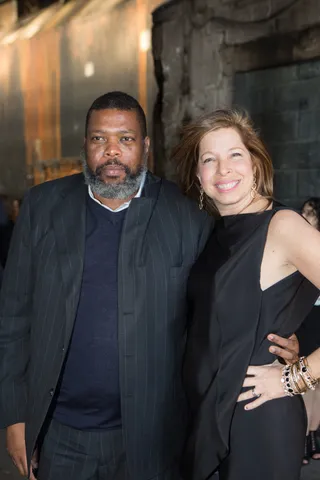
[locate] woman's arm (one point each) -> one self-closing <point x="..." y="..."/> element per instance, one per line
<point x="314" y="363"/>
<point x="299" y="244"/>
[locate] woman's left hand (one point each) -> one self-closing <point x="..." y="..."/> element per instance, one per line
<point x="266" y="385"/>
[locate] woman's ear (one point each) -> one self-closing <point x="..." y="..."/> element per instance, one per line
<point x="254" y="167"/>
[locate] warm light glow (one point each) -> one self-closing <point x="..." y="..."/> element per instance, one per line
<point x="89" y="69"/>
<point x="145" y="40"/>
<point x="9" y="38"/>
<point x="31" y="30"/>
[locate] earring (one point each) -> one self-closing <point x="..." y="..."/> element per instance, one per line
<point x="253" y="192"/>
<point x="201" y="198"/>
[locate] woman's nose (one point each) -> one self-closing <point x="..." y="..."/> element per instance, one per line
<point x="224" y="167"/>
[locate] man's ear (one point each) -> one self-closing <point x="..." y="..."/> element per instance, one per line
<point x="147" y="145"/>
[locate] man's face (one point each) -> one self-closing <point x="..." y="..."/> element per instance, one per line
<point x="115" y="153"/>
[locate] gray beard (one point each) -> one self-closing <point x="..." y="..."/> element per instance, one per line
<point x="121" y="190"/>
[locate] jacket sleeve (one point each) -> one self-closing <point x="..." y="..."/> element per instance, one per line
<point x="15" y="314"/>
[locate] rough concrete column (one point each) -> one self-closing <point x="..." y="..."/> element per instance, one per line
<point x="168" y="51"/>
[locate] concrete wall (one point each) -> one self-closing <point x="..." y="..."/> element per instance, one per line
<point x="284" y="103"/>
<point x="201" y="48"/>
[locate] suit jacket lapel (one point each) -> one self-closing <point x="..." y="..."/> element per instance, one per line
<point x="132" y="250"/>
<point x="69" y="223"/>
<point x="138" y="217"/>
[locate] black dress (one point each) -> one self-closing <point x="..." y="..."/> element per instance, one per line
<point x="309" y="332"/>
<point x="230" y="318"/>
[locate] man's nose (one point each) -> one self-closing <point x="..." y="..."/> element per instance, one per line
<point x="112" y="149"/>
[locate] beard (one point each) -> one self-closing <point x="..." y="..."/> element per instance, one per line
<point x="120" y="190"/>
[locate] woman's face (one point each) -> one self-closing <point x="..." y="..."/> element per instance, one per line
<point x="225" y="170"/>
<point x="310" y="216"/>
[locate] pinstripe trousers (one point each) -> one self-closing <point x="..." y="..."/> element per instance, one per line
<point x="70" y="454"/>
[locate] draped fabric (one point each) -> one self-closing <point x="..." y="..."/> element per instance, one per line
<point x="230" y="319"/>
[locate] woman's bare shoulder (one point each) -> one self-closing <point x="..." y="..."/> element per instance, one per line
<point x="286" y="221"/>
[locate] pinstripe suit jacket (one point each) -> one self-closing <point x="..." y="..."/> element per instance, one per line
<point x="163" y="234"/>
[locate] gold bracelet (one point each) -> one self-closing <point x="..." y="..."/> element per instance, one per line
<point x="305" y="373"/>
<point x="299" y="381"/>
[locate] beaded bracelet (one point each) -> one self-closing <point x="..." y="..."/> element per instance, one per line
<point x="287" y="382"/>
<point x="297" y="378"/>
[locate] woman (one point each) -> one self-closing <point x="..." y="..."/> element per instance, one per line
<point x="252" y="278"/>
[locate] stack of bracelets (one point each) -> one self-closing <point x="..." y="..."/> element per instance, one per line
<point x="297" y="378"/>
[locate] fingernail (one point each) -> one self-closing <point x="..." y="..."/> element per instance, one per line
<point x="273" y="349"/>
<point x="271" y="337"/>
<point x="246" y="407"/>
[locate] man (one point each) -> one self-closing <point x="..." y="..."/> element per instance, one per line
<point x="93" y="312"/>
<point x="6" y="228"/>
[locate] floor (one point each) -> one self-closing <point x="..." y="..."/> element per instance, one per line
<point x="8" y="472"/>
<point x="311" y="471"/>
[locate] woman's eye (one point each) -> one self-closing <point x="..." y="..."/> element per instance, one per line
<point x="207" y="160"/>
<point x="235" y="154"/>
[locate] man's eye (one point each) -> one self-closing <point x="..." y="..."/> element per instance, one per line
<point x="97" y="139"/>
<point x="128" y="139"/>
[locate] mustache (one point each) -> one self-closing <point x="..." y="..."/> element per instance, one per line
<point x="111" y="163"/>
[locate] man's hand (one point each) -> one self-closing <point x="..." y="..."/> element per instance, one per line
<point x="16" y="447"/>
<point x="286" y="348"/>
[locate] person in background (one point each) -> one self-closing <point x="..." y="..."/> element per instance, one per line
<point x="6" y="228"/>
<point x="3" y="222"/>
<point x="311" y="212"/>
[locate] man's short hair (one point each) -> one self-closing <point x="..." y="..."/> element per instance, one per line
<point x="119" y="101"/>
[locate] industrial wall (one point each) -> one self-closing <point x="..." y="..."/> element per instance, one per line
<point x="259" y="54"/>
